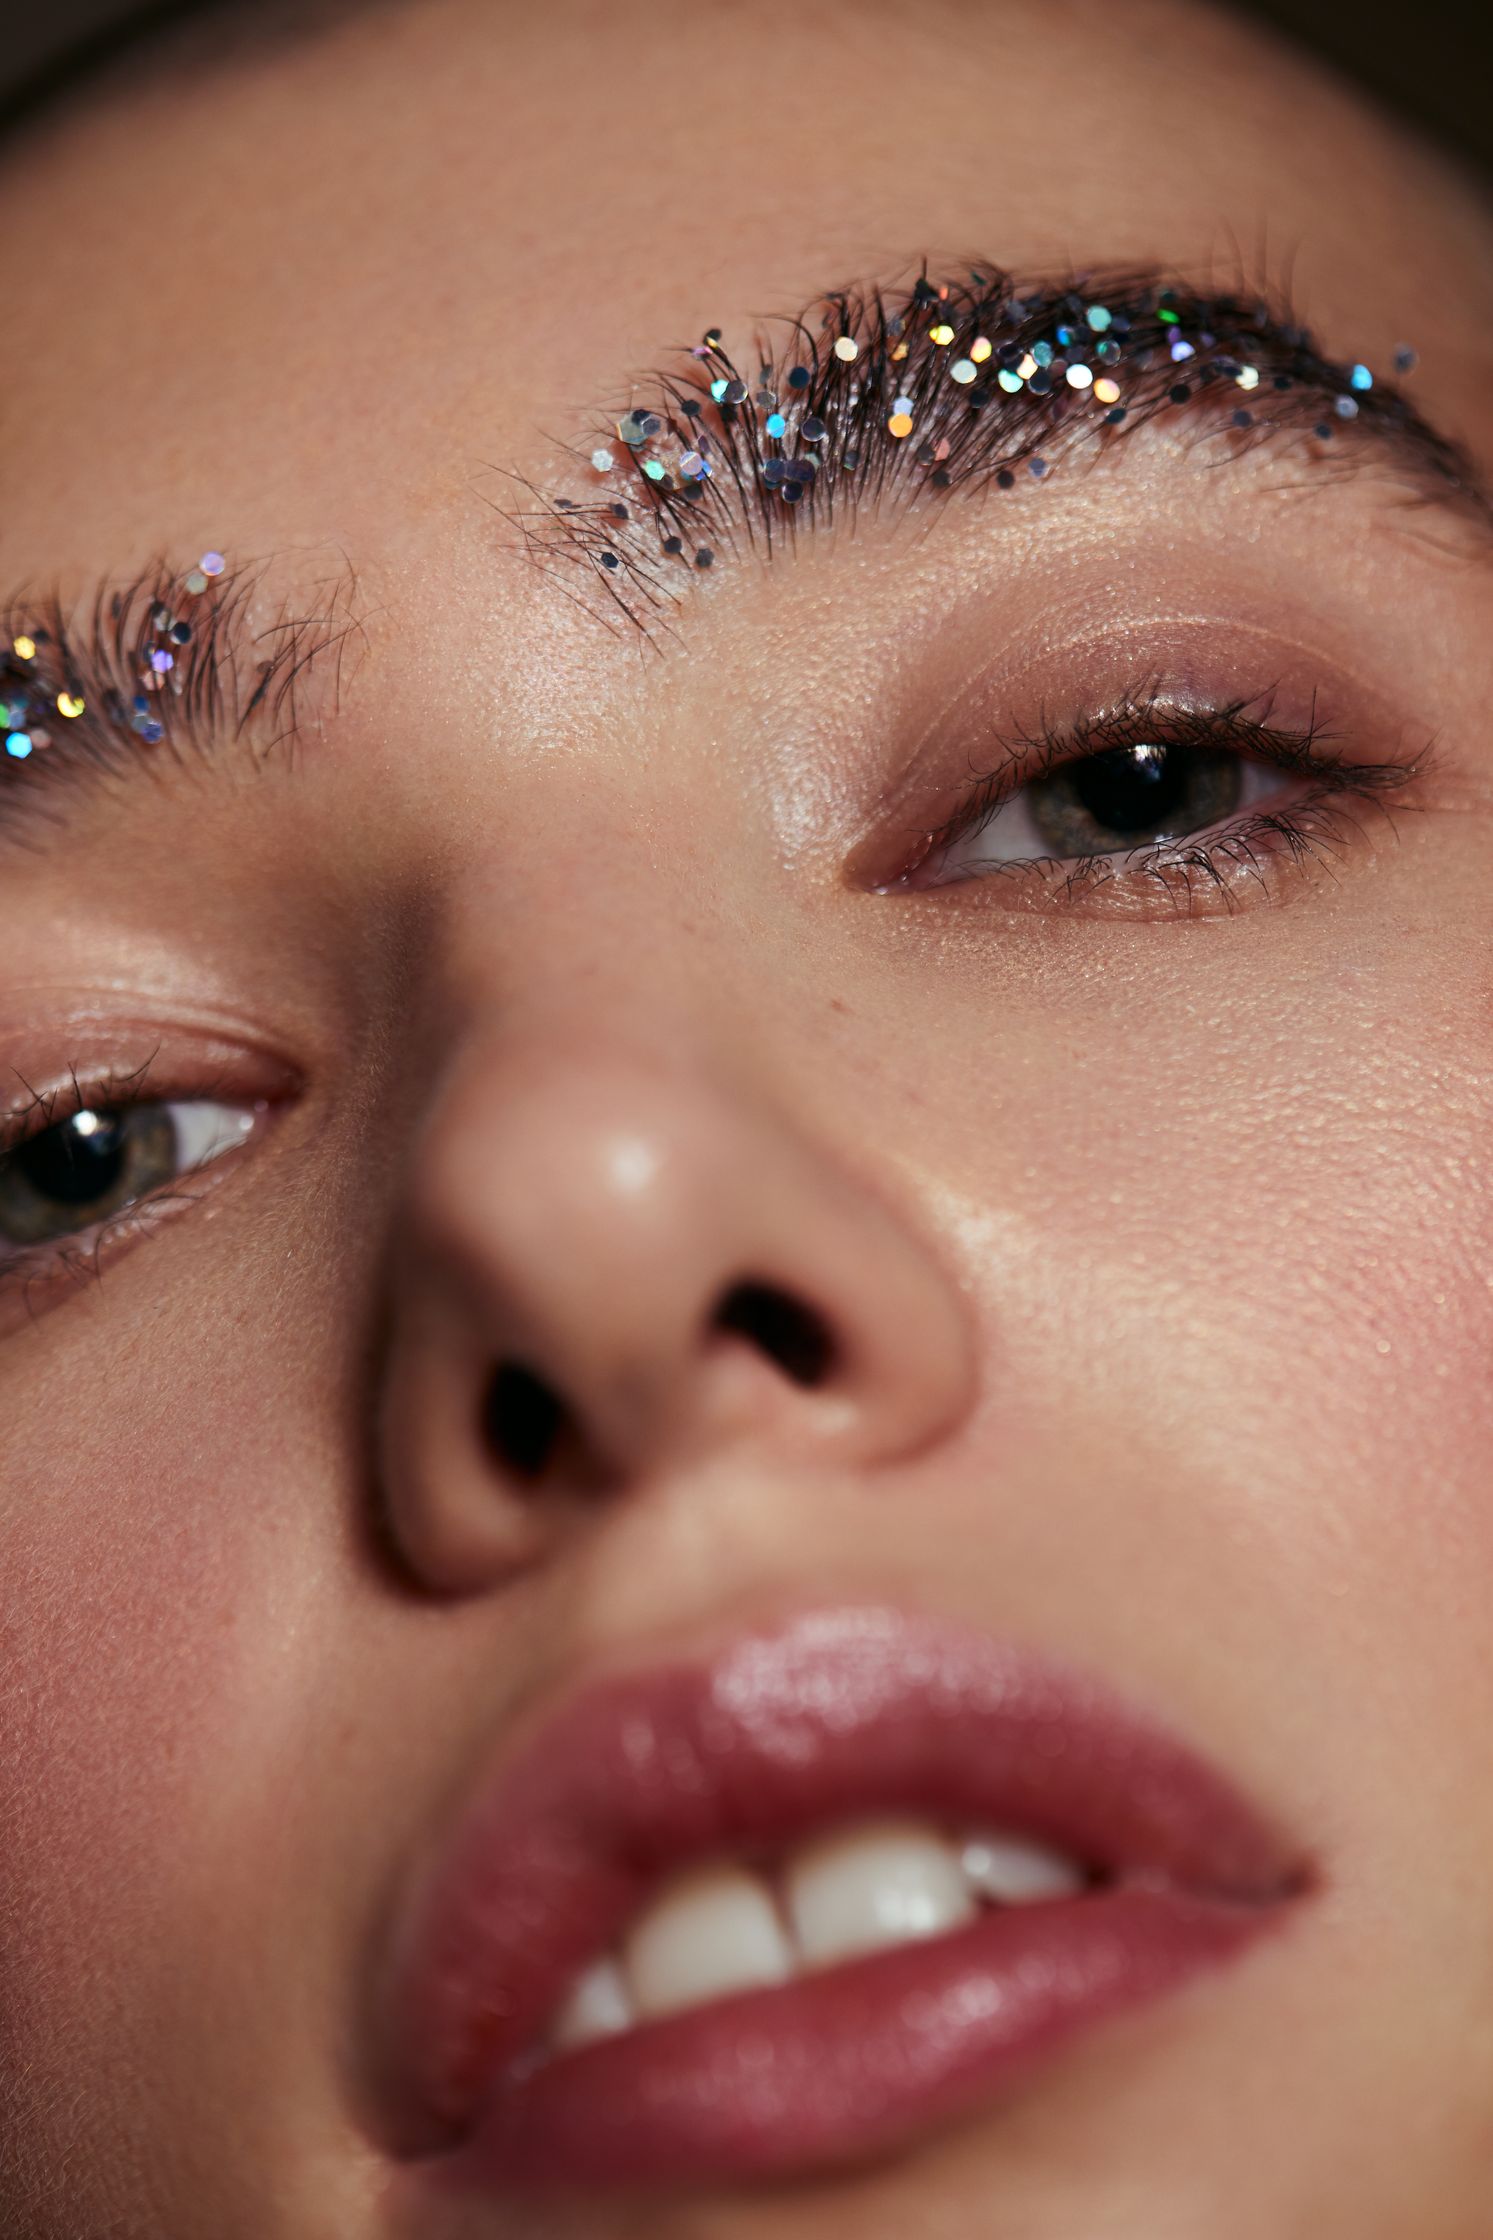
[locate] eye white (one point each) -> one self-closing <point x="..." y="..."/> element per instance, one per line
<point x="204" y="1131"/>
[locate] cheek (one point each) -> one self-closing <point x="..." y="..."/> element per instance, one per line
<point x="1238" y="1243"/>
<point x="145" y="1566"/>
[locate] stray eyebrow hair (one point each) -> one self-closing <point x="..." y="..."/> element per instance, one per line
<point x="944" y="384"/>
<point x="153" y="675"/>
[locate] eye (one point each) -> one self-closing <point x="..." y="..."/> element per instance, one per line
<point x="1182" y="803"/>
<point x="97" y="1162"/>
<point x="1141" y="795"/>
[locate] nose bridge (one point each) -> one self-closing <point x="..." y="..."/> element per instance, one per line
<point x="661" y="1255"/>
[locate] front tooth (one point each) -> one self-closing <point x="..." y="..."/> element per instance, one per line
<point x="885" y="1884"/>
<point x="598" y="2007"/>
<point x="715" y="1931"/>
<point x="1015" y="1871"/>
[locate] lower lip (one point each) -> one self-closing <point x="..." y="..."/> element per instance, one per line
<point x="849" y="2062"/>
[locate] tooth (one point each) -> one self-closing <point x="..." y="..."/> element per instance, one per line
<point x="1015" y="1870"/>
<point x="598" y="2007"/>
<point x="883" y="1884"/>
<point x="715" y="1931"/>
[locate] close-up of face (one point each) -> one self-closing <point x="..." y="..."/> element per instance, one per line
<point x="746" y="1195"/>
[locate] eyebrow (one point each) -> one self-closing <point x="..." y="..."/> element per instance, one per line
<point x="144" y="678"/>
<point x="971" y="381"/>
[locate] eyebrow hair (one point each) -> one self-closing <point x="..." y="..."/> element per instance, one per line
<point x="152" y="675"/>
<point x="942" y="384"/>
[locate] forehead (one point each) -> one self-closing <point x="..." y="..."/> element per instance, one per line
<point x="351" y="297"/>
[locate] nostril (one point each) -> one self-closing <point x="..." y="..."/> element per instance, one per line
<point x="521" y="1419"/>
<point x="792" y="1335"/>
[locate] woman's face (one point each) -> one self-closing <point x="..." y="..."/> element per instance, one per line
<point x="1121" y="1231"/>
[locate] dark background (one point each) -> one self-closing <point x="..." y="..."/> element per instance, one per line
<point x="1431" y="61"/>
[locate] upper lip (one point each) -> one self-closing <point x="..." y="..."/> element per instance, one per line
<point x="792" y="1727"/>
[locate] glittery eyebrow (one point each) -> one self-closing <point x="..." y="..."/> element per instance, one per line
<point x="145" y="677"/>
<point x="953" y="383"/>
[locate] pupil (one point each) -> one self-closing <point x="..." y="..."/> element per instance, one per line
<point x="76" y="1161"/>
<point x="1131" y="789"/>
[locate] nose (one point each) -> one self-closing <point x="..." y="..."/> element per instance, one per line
<point x="605" y="1269"/>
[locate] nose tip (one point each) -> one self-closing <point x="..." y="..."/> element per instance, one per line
<point x="602" y="1271"/>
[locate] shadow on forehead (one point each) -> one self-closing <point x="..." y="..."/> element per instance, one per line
<point x="174" y="45"/>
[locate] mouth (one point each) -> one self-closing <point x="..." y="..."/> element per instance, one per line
<point x="779" y="1909"/>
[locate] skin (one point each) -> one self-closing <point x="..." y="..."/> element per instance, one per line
<point x="1191" y="1216"/>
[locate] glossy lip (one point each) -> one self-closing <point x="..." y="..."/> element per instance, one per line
<point x="823" y="1719"/>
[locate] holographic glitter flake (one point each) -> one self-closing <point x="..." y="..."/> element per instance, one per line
<point x="602" y="459"/>
<point x="1079" y="377"/>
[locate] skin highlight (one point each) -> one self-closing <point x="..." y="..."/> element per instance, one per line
<point x="1164" y="1241"/>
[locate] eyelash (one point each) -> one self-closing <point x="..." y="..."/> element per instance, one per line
<point x="82" y="1257"/>
<point x="1310" y="826"/>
